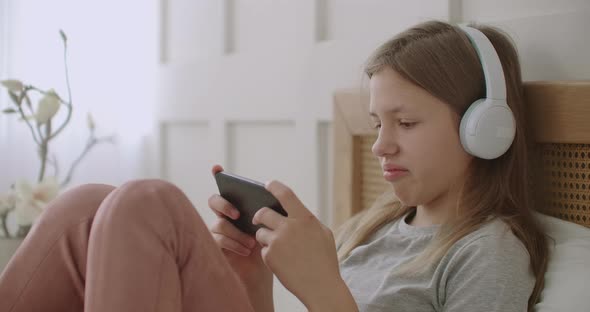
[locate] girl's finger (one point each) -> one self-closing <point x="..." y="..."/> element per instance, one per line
<point x="216" y="168"/>
<point x="222" y="207"/>
<point x="224" y="227"/>
<point x="230" y="244"/>
<point x="269" y="218"/>
<point x="290" y="202"/>
<point x="264" y="236"/>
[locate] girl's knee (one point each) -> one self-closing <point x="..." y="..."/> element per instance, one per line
<point x="149" y="198"/>
<point x="148" y="186"/>
<point x="80" y="201"/>
<point x="148" y="190"/>
<point x="71" y="207"/>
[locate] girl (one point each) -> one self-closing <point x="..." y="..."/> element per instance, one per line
<point x="456" y="234"/>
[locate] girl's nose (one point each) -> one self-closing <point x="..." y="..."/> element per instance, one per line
<point x="384" y="146"/>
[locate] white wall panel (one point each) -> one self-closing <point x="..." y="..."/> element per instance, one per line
<point x="194" y="29"/>
<point x="330" y="66"/>
<point x="499" y="10"/>
<point x="265" y="151"/>
<point x="236" y="87"/>
<point x="550" y="35"/>
<point x="187" y="162"/>
<point x="552" y="47"/>
<point x="273" y="25"/>
<point x="353" y="19"/>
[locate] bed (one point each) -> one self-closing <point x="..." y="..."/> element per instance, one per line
<point x="559" y="117"/>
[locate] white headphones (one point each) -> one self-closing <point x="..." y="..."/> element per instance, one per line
<point x="487" y="127"/>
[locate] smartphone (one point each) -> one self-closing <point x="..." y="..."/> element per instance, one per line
<point x="248" y="196"/>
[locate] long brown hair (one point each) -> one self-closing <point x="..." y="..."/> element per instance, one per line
<point x="439" y="58"/>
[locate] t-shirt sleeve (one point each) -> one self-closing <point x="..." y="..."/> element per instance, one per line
<point x="491" y="273"/>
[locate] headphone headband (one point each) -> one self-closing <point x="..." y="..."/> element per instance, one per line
<point x="490" y="62"/>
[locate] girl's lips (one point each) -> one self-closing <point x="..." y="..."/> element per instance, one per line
<point x="392" y="167"/>
<point x="392" y="175"/>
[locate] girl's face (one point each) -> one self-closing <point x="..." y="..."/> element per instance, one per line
<point x="418" y="144"/>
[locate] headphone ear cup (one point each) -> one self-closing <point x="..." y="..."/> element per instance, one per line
<point x="487" y="129"/>
<point x="469" y="120"/>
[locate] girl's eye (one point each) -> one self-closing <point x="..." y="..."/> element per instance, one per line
<point x="377" y="126"/>
<point x="407" y="125"/>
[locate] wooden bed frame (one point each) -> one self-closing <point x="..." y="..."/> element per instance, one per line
<point x="559" y="116"/>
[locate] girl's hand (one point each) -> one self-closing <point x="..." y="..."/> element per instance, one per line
<point x="299" y="249"/>
<point x="242" y="252"/>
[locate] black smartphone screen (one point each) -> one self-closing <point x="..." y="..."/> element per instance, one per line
<point x="248" y="196"/>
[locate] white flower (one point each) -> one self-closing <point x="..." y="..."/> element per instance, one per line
<point x="13" y="85"/>
<point x="30" y="200"/>
<point x="48" y="107"/>
<point x="7" y="202"/>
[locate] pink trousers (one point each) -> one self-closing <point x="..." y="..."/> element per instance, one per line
<point x="139" y="247"/>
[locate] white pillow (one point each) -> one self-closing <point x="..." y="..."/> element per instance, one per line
<point x="568" y="271"/>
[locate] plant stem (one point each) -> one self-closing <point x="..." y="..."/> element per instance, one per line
<point x="43" y="155"/>
<point x="52" y="160"/>
<point x="69" y="106"/>
<point x="43" y="150"/>
<point x="69" y="103"/>
<point x="4" y="227"/>
<point x="92" y="141"/>
<point x="67" y="72"/>
<point x="28" y="99"/>
<point x="22" y="114"/>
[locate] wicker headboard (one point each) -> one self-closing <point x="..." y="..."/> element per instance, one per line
<point x="559" y="115"/>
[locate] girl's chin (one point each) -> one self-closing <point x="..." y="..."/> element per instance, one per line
<point x="407" y="197"/>
<point x="406" y="200"/>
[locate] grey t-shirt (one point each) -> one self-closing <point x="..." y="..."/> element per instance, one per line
<point x="487" y="270"/>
